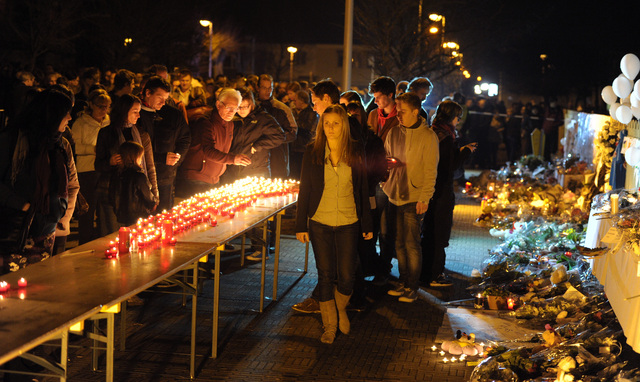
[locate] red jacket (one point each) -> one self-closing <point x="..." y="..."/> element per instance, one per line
<point x="208" y="156"/>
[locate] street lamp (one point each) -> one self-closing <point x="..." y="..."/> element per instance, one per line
<point x="207" y="23"/>
<point x="292" y="50"/>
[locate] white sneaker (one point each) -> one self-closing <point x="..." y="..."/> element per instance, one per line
<point x="397" y="291"/>
<point x="256" y="256"/>
<point x="410" y="295"/>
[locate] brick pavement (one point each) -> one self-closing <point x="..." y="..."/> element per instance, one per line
<point x="389" y="340"/>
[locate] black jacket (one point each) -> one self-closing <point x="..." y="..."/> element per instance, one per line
<point x="307" y="120"/>
<point x="312" y="187"/>
<point x="130" y="195"/>
<point x="260" y="131"/>
<point x="451" y="157"/>
<point x="169" y="132"/>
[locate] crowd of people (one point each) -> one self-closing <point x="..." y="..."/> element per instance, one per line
<point x="111" y="149"/>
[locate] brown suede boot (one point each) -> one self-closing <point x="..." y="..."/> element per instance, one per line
<point x="329" y="321"/>
<point x="342" y="301"/>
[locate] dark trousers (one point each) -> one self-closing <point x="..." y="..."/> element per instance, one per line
<point x="384" y="229"/>
<point x="436" y="231"/>
<point x="165" y="193"/>
<point x="335" y="250"/>
<point x="88" y="184"/>
<point x="186" y="188"/>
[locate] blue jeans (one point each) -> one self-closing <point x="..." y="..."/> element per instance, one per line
<point x="336" y="253"/>
<point x="408" y="247"/>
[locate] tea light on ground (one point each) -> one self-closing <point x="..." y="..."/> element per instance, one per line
<point x="22" y="282"/>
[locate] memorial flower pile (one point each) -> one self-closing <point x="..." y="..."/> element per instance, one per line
<point x="540" y="268"/>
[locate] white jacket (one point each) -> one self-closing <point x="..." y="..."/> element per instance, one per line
<point x="85" y="134"/>
<point x="417" y="150"/>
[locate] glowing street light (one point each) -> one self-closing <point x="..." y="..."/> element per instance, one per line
<point x="292" y="50"/>
<point x="434" y="30"/>
<point x="209" y="24"/>
<point x="127" y="41"/>
<point x="436" y="17"/>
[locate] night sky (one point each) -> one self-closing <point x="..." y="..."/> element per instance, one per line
<point x="584" y="41"/>
<point x="501" y="40"/>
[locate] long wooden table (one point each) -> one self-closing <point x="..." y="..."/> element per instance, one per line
<point x="80" y="283"/>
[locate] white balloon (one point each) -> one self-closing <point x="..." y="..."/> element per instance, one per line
<point x="608" y="95"/>
<point x="635" y="110"/>
<point x="623" y="114"/>
<point x="630" y="65"/>
<point x="632" y="156"/>
<point x="622" y="86"/>
<point x="563" y="141"/>
<point x="635" y="101"/>
<point x="636" y="89"/>
<point x="612" y="110"/>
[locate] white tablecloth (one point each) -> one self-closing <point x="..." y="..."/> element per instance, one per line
<point x="618" y="272"/>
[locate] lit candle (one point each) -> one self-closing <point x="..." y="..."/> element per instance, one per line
<point x="22" y="283"/>
<point x="510" y="303"/>
<point x="453" y="359"/>
<point x="4" y="286"/>
<point x="441" y="352"/>
<point x="124" y="236"/>
<point x="613" y="199"/>
<point x="433" y="348"/>
<point x="445" y="360"/>
<point x="167" y="231"/>
<point x="479" y="302"/>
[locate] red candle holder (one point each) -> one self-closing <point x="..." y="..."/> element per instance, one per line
<point x="22" y="283"/>
<point x="4" y="286"/>
<point x="124" y="236"/>
<point x="167" y="231"/>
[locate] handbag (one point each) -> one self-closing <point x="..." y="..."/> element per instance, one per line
<point x="82" y="207"/>
<point x="14" y="229"/>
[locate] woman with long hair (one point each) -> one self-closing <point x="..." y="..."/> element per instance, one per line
<point x="438" y="220"/>
<point x="33" y="167"/>
<point x="124" y="116"/>
<point x="333" y="211"/>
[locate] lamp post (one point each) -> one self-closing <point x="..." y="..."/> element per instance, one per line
<point x="292" y="50"/>
<point x="436" y="18"/>
<point x="207" y="23"/>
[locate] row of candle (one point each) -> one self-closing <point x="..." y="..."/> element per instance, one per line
<point x="225" y="201"/>
<point x="5" y="286"/>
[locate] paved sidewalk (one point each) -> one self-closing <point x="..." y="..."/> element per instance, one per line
<point x="388" y="341"/>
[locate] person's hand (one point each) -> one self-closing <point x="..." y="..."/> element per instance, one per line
<point x="421" y="208"/>
<point x="26" y="207"/>
<point x="115" y="160"/>
<point x="368" y="235"/>
<point x="253" y="150"/>
<point x="303" y="237"/>
<point x="472" y="146"/>
<point x="241" y="160"/>
<point x="172" y="158"/>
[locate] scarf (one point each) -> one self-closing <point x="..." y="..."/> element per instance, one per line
<point x="382" y="119"/>
<point x="444" y="130"/>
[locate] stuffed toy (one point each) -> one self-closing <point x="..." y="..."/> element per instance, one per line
<point x="464" y="344"/>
